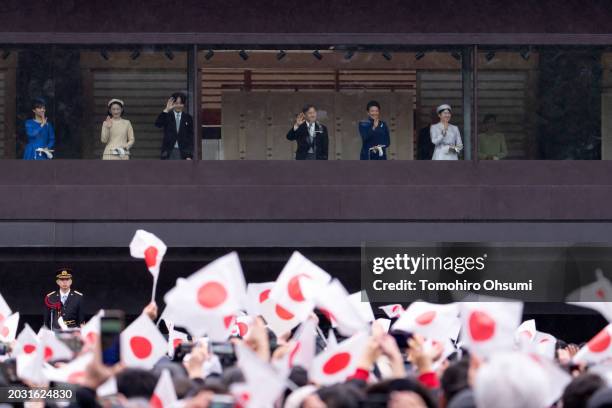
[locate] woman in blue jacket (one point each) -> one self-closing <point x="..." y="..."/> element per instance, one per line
<point x="374" y="134"/>
<point x="41" y="137"/>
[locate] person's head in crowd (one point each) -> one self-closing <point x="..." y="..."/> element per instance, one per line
<point x="39" y="108"/>
<point x="489" y="123"/>
<point x="454" y="380"/>
<point x="136" y="383"/>
<point x="310" y="113"/>
<point x="180" y="100"/>
<point x="344" y="395"/>
<point x="384" y="390"/>
<point x="445" y="112"/>
<point x="509" y="380"/>
<point x="63" y="278"/>
<point x="115" y="108"/>
<point x="578" y="392"/>
<point x="601" y="399"/>
<point x="464" y="399"/>
<point x="373" y="109"/>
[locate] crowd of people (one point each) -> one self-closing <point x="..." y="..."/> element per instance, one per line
<point x="229" y="344"/>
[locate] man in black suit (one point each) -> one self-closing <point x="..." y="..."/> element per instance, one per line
<point x="178" y="129"/>
<point x="311" y="136"/>
<point x="64" y="303"/>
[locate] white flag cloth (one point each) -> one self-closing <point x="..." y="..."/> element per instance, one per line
<point x="208" y="300"/>
<point x="433" y="321"/>
<point x="384" y="323"/>
<point x="53" y="348"/>
<point x="5" y="311"/>
<point x="264" y="384"/>
<point x="296" y="285"/>
<point x="164" y="395"/>
<point x="598" y="349"/>
<point x="392" y="311"/>
<point x="72" y="373"/>
<point x="147" y="246"/>
<point x="257" y="293"/>
<point x="596" y="296"/>
<point x="526" y="332"/>
<point x="334" y="301"/>
<point x="337" y="363"/>
<point x="90" y="332"/>
<point x="278" y="319"/>
<point x="362" y="304"/>
<point x="545" y="345"/>
<point x="142" y="345"/>
<point x="26" y="342"/>
<point x="489" y="327"/>
<point x="8" y="330"/>
<point x="303" y="352"/>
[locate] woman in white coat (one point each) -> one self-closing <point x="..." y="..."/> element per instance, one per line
<point x="445" y="137"/>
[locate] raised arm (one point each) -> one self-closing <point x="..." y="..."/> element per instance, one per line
<point x="436" y="135"/>
<point x="365" y="130"/>
<point x="32" y="128"/>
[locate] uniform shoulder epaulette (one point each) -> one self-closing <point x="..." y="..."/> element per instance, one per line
<point x="50" y="293"/>
<point x="78" y="293"/>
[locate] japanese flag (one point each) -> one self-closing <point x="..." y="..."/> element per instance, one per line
<point x="598" y="349"/>
<point x="142" y="345"/>
<point x="304" y="345"/>
<point x="164" y="395"/>
<point x="278" y="319"/>
<point x="5" y="311"/>
<point x="296" y="285"/>
<point x="90" y="332"/>
<point x="257" y="293"/>
<point x="362" y="304"/>
<point x="596" y="296"/>
<point x="26" y="342"/>
<point x="545" y="345"/>
<point x="147" y="246"/>
<point x="526" y="332"/>
<point x="337" y="363"/>
<point x="175" y="339"/>
<point x="345" y="314"/>
<point x="53" y="348"/>
<point x="433" y="321"/>
<point x="29" y="364"/>
<point x="242" y="325"/>
<point x="208" y="301"/>
<point x="264" y="384"/>
<point x="8" y="330"/>
<point x="73" y="372"/>
<point x="392" y="311"/>
<point x="490" y="326"/>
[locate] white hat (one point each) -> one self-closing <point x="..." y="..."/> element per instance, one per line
<point x="119" y="101"/>
<point x="443" y="107"/>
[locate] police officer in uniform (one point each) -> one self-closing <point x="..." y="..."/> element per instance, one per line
<point x="64" y="302"/>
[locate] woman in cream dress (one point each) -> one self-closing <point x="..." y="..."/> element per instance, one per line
<point x="117" y="133"/>
<point x="445" y="137"/>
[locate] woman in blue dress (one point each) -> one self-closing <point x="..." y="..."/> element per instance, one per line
<point x="374" y="134"/>
<point x="41" y="137"/>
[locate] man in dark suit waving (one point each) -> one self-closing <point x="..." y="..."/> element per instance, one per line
<point x="63" y="307"/>
<point x="178" y="129"/>
<point x="311" y="136"/>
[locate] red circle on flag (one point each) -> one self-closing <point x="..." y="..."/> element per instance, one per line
<point x="328" y="315"/>
<point x="426" y="318"/>
<point x="526" y="333"/>
<point x="48" y="353"/>
<point x="2" y="317"/>
<point x="482" y="326"/>
<point x="283" y="313"/>
<point x="141" y="347"/>
<point x="396" y="309"/>
<point x="91" y="337"/>
<point x="294" y="289"/>
<point x="150" y="256"/>
<point x="176" y="342"/>
<point x="600" y="342"/>
<point x="4" y="332"/>
<point x="294" y="352"/>
<point x="29" y="348"/>
<point x="211" y="295"/>
<point x="76" y="377"/>
<point x="264" y="295"/>
<point x="243" y="328"/>
<point x="336" y="363"/>
<point x="156" y="402"/>
<point x="228" y="320"/>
